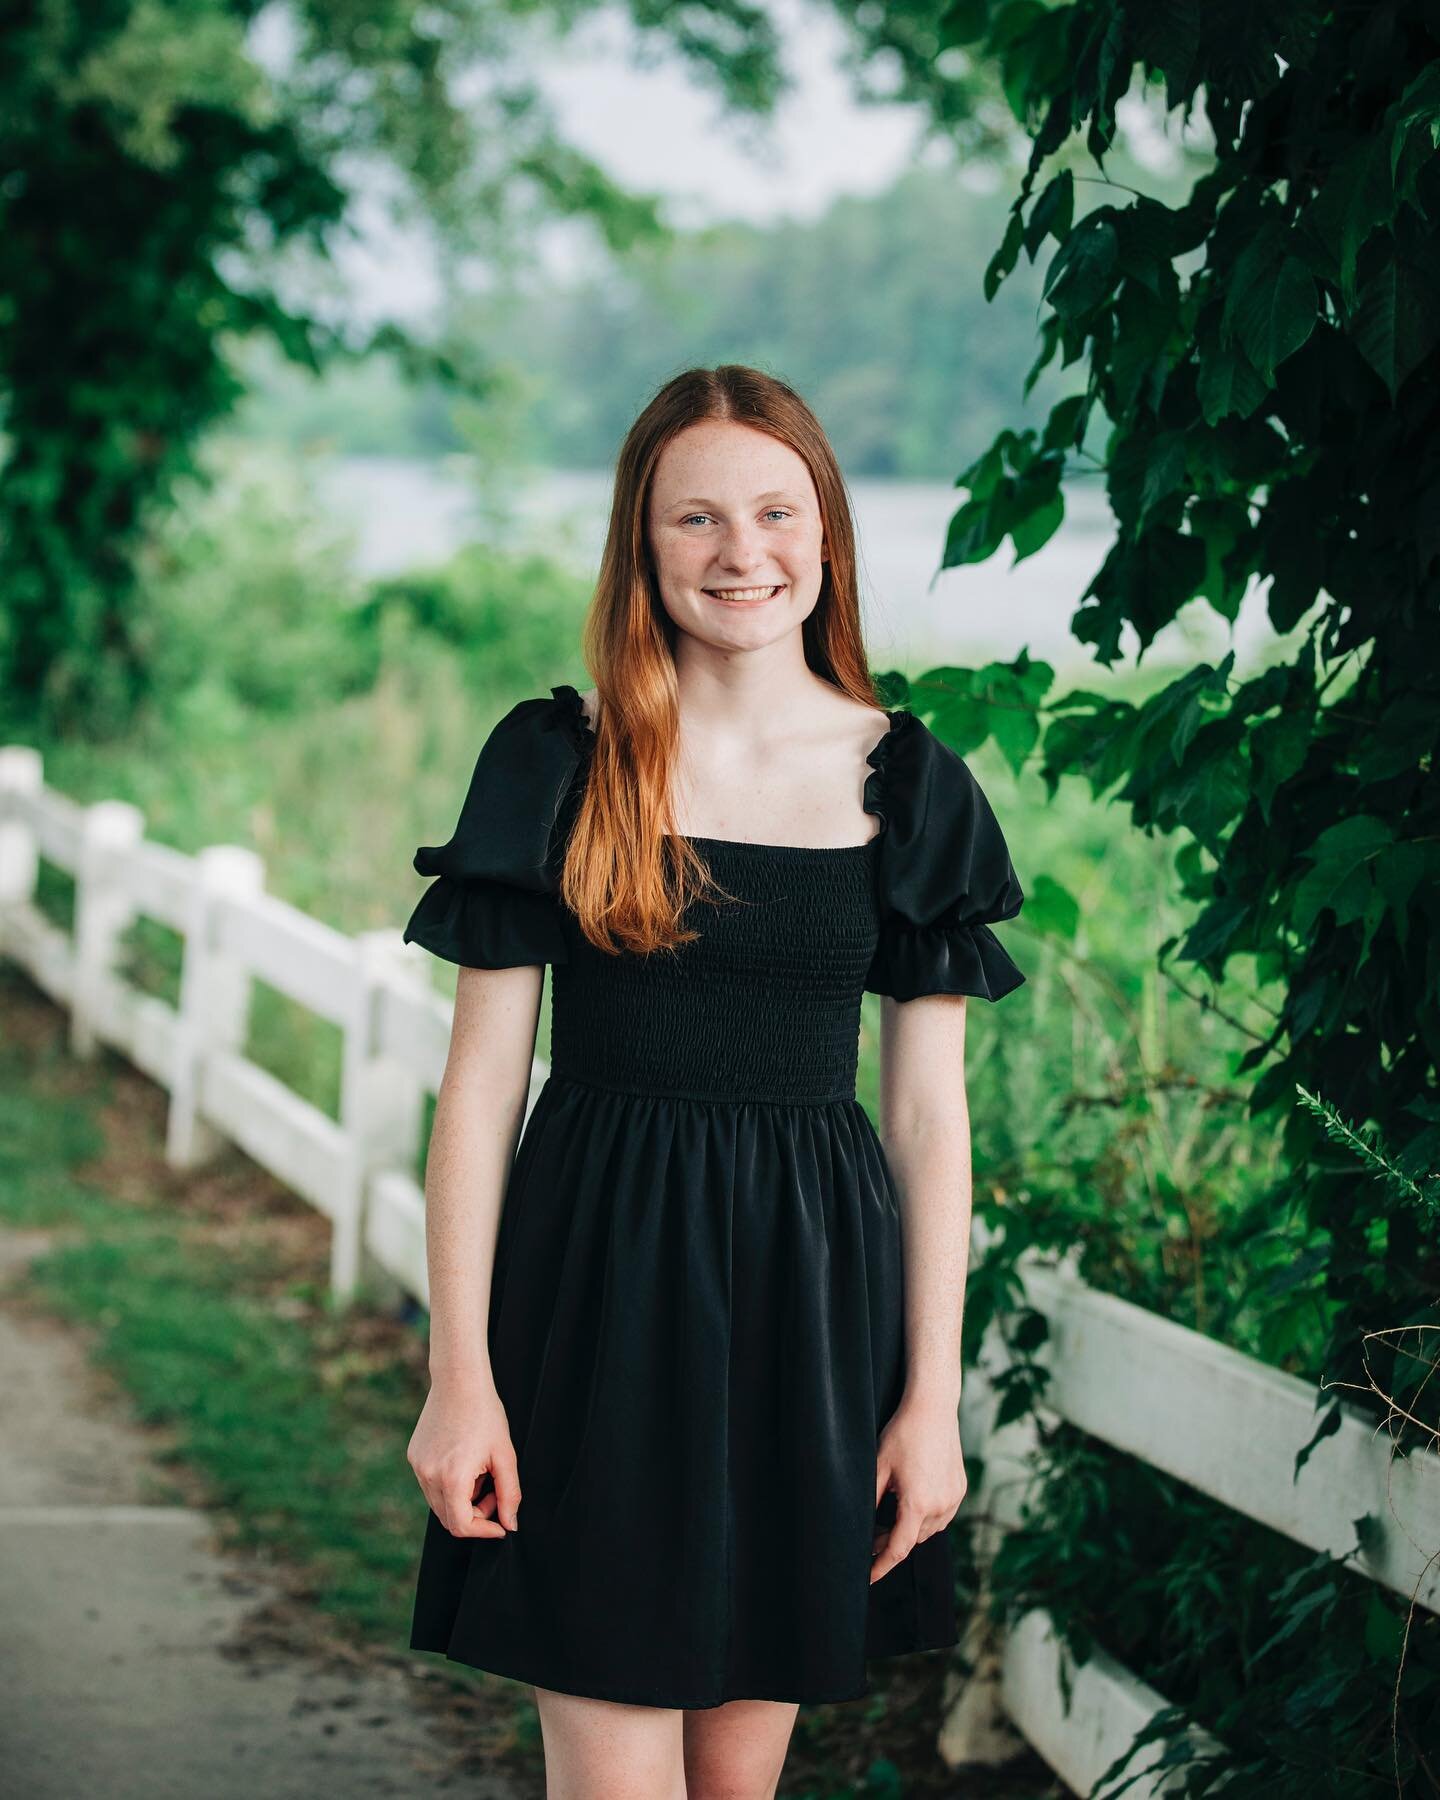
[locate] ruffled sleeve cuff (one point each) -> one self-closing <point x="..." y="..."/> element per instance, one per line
<point x="945" y="873"/>
<point x="941" y="959"/>
<point x="494" y="902"/>
<point x="486" y="924"/>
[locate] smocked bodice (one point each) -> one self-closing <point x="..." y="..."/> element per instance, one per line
<point x="763" y="1005"/>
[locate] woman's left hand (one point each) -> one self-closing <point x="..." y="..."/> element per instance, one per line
<point x="920" y="1460"/>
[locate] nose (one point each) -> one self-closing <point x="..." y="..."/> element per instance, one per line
<point x="741" y="549"/>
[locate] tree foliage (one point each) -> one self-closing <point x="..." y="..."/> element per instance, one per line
<point x="1265" y="355"/>
<point x="167" y="174"/>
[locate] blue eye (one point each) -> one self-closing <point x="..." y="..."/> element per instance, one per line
<point x="769" y="511"/>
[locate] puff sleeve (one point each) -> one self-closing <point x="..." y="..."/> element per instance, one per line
<point x="493" y="903"/>
<point x="945" y="874"/>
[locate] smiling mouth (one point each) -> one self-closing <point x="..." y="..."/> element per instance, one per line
<point x="741" y="595"/>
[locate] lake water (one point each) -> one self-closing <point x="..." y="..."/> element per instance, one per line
<point x="406" y="513"/>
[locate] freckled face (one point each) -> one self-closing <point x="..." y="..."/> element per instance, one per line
<point x="734" y="528"/>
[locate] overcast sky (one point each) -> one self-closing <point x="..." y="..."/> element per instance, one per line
<point x="654" y="130"/>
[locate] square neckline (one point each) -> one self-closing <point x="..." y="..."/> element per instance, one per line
<point x="873" y="761"/>
<point x="691" y="837"/>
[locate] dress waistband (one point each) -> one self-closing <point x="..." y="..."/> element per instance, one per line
<point x="650" y="1092"/>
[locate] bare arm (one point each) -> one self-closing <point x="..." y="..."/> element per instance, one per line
<point x="463" y="1432"/>
<point x="478" y="1114"/>
<point x="925" y="1127"/>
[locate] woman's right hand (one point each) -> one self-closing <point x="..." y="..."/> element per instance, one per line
<point x="462" y="1435"/>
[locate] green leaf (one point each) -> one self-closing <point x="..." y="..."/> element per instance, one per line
<point x="985" y="474"/>
<point x="1399" y="871"/>
<point x="1397" y="322"/>
<point x="1016" y="731"/>
<point x="1227" y="383"/>
<point x="1356" y="199"/>
<point x="1385" y="1631"/>
<point x="1278" y="749"/>
<point x="963" y="22"/>
<point x="963" y="722"/>
<point x="1062" y="425"/>
<point x="1410" y="730"/>
<point x="1418" y="106"/>
<point x="976" y="532"/>
<point x="1053" y="213"/>
<point x="1273" y="313"/>
<point x="1038" y="526"/>
<point x="1164" y="470"/>
<point x="1328" y="1426"/>
<point x="1005" y="258"/>
<point x="1050" y="908"/>
<point x="1208" y="940"/>
<point x="1079" y="275"/>
<point x="1017" y="1399"/>
<point x="1341" y="878"/>
<point x="1310" y="1610"/>
<point x="1149" y="241"/>
<point x="1167" y="37"/>
<point x="1210" y="791"/>
<point x="1217" y="523"/>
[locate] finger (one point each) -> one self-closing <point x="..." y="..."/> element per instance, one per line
<point x="507" y="1487"/>
<point x="481" y="1526"/>
<point x="483" y="1520"/>
<point x="461" y="1518"/>
<point x="929" y="1525"/>
<point x="905" y="1532"/>
<point x="453" y="1505"/>
<point x="882" y="1563"/>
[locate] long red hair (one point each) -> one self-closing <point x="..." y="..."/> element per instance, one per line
<point x="626" y="877"/>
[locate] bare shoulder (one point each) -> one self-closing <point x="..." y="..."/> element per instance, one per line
<point x="590" y="701"/>
<point x="866" y="721"/>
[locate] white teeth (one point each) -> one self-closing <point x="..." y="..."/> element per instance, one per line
<point x="760" y="593"/>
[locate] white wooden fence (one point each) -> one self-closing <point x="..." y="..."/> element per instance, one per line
<point x="395" y="1028"/>
<point x="1219" y="1420"/>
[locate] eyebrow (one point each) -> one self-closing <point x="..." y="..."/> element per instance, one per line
<point x="774" y="494"/>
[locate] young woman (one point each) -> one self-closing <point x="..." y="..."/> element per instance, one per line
<point x="691" y="1442"/>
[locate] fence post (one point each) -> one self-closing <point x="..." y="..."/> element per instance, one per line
<point x="976" y="1727"/>
<point x="104" y="910"/>
<point x="381" y="1108"/>
<point x="214" y="1007"/>
<point x="21" y="772"/>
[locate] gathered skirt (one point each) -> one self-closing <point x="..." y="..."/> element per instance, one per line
<point x="696" y="1329"/>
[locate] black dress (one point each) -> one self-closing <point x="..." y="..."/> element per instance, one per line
<point x="696" y="1321"/>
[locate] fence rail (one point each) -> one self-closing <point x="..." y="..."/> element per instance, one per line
<point x="1224" y="1423"/>
<point x="1214" y="1418"/>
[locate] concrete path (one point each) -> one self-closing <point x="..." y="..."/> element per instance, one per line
<point x="134" y="1659"/>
